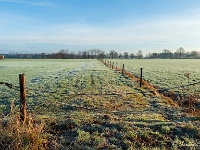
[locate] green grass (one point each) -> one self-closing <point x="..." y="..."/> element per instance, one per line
<point x="84" y="105"/>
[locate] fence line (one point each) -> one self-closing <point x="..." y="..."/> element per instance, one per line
<point x="77" y="94"/>
<point x="63" y="93"/>
<point x="22" y="89"/>
<point x="22" y="92"/>
<point x="17" y="88"/>
<point x="11" y="86"/>
<point x="165" y="91"/>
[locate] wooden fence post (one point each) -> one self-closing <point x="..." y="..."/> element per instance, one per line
<point x="22" y="97"/>
<point x="140" y="77"/>
<point x="123" y="70"/>
<point x="113" y="65"/>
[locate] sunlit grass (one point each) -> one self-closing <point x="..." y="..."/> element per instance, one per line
<point x="81" y="104"/>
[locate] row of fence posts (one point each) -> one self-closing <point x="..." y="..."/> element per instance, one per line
<point x="111" y="65"/>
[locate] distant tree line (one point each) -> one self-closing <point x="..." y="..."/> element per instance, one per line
<point x="97" y="54"/>
<point x="165" y="54"/>
<point x="62" y="54"/>
<point x="85" y="54"/>
<point x="179" y="54"/>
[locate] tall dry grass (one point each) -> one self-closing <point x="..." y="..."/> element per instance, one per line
<point x="16" y="136"/>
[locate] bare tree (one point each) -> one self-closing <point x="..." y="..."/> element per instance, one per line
<point x="113" y="54"/>
<point x="126" y="55"/>
<point x="181" y="52"/>
<point x="132" y="55"/>
<point x="194" y="54"/>
<point x="166" y="53"/>
<point x="139" y="54"/>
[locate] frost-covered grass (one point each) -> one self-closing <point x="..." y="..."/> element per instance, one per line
<point x="41" y="75"/>
<point x="165" y="73"/>
<point x="85" y="105"/>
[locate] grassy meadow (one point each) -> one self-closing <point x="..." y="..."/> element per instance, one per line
<point x="82" y="104"/>
<point x="164" y="73"/>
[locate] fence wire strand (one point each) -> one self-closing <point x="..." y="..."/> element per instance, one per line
<point x="29" y="90"/>
<point x="158" y="90"/>
<point x="11" y="86"/>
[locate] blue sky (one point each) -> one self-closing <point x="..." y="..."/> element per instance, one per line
<point x="34" y="26"/>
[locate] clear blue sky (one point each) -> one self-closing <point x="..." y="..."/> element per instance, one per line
<point x="34" y="26"/>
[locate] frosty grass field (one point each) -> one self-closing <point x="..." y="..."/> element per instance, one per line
<point x="92" y="106"/>
<point x="165" y="73"/>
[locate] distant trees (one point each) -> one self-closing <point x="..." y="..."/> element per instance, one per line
<point x="132" y="55"/>
<point x="91" y="54"/>
<point x="139" y="54"/>
<point x="179" y="54"/>
<point x="120" y="56"/>
<point x="66" y="54"/>
<point x="63" y="53"/>
<point x="94" y="53"/>
<point x="113" y="54"/>
<point x="166" y="54"/>
<point x="126" y="56"/>
<point x="194" y="54"/>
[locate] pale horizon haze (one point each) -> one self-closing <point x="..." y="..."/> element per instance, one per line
<point x="36" y="26"/>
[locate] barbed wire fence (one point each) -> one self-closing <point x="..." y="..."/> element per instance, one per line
<point x="22" y="92"/>
<point x="158" y="90"/>
<point x="139" y="78"/>
<point x="11" y="86"/>
<point x="25" y="91"/>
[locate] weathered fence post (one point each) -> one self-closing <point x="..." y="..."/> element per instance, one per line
<point x="22" y="97"/>
<point x="123" y="70"/>
<point x="113" y="65"/>
<point x="140" y="77"/>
